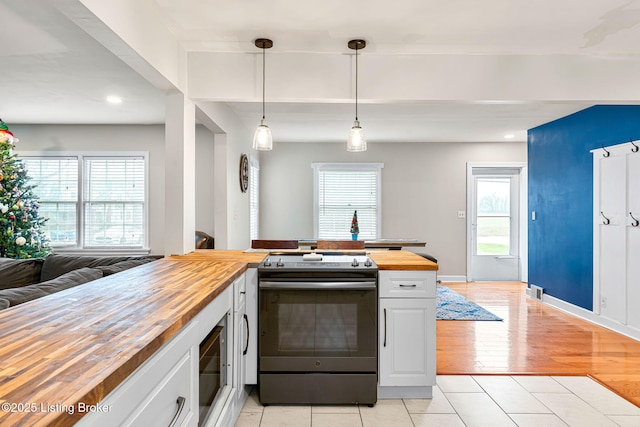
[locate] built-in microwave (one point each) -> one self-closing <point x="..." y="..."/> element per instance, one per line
<point x="212" y="369"/>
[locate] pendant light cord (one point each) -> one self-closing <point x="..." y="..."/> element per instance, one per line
<point x="263" y="79"/>
<point x="356" y="82"/>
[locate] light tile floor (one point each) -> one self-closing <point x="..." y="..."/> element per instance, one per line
<point x="471" y="401"/>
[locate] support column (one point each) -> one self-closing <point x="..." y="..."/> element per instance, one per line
<point x="180" y="218"/>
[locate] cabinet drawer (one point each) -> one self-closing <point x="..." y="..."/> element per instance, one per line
<point x="169" y="371"/>
<point x="407" y="284"/>
<point x="163" y="403"/>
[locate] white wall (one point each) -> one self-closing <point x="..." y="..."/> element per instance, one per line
<point x="423" y="188"/>
<point x="51" y="138"/>
<point x="231" y="204"/>
<point x="205" y="218"/>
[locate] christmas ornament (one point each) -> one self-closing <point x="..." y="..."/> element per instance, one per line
<point x="20" y="241"/>
<point x="5" y="134"/>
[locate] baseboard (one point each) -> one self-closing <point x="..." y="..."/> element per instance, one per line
<point x="452" y="278"/>
<point x="590" y="316"/>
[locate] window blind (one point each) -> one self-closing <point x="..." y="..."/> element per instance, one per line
<point x="56" y="181"/>
<point x="340" y="192"/>
<point x="114" y="197"/>
<point x="254" y="198"/>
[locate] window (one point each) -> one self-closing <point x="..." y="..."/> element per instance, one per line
<point x="254" y="198"/>
<point x="92" y="202"/>
<point x="339" y="190"/>
<point x="56" y="179"/>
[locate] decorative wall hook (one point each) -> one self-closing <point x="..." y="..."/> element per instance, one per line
<point x="606" y="153"/>
<point x="635" y="147"/>
<point x="635" y="221"/>
<point x="606" y="221"/>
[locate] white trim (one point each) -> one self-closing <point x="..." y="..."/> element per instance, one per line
<point x="590" y="316"/>
<point x="452" y="278"/>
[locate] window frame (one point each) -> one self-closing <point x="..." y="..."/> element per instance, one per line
<point x="82" y="182"/>
<point x="254" y="197"/>
<point x="334" y="166"/>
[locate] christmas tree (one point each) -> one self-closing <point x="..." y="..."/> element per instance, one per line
<point x="354" y="224"/>
<point x="21" y="234"/>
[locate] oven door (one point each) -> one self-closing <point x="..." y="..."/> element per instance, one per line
<point x="315" y="326"/>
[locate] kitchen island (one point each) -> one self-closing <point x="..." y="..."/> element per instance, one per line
<point x="62" y="355"/>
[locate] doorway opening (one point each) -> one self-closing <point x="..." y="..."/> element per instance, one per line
<point x="496" y="222"/>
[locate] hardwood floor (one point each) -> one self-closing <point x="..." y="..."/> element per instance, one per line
<point x="534" y="339"/>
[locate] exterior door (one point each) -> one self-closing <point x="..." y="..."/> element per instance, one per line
<point x="494" y="240"/>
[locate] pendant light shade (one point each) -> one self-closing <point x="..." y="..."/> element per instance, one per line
<point x="357" y="140"/>
<point x="262" y="139"/>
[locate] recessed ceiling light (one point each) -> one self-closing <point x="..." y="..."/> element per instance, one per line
<point x="114" y="99"/>
<point x="509" y="136"/>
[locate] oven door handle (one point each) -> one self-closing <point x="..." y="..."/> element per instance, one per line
<point x="338" y="286"/>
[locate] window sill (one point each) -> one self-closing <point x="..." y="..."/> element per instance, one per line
<point x="102" y="251"/>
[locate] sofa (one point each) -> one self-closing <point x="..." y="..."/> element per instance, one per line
<point x="23" y="280"/>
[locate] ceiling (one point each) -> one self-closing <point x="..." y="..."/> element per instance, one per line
<point x="55" y="73"/>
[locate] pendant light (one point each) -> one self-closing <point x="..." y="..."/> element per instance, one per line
<point x="262" y="138"/>
<point x="356" y="141"/>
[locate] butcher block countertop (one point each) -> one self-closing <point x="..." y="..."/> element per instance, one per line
<point x="252" y="259"/>
<point x="401" y="260"/>
<point x="78" y="345"/>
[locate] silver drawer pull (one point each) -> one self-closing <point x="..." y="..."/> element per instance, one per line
<point x="181" y="400"/>
<point x="408" y="286"/>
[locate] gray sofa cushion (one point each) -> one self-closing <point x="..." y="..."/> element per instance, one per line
<point x="56" y="265"/>
<point x="69" y="280"/>
<point x="4" y="303"/>
<point x="108" y="270"/>
<point x="19" y="272"/>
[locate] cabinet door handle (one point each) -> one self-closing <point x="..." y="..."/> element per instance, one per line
<point x="384" y="344"/>
<point x="181" y="400"/>
<point x="246" y="346"/>
<point x="402" y="285"/>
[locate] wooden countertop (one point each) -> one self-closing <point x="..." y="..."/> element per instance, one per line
<point x="401" y="260"/>
<point x="79" y="344"/>
<point x="252" y="258"/>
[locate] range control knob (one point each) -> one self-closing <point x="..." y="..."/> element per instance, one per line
<point x="267" y="262"/>
<point x="368" y="263"/>
<point x="280" y="263"/>
<point x="355" y="262"/>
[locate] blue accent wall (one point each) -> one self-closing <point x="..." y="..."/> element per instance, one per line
<point x="561" y="194"/>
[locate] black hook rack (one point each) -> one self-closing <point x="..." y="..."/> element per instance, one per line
<point x="606" y="221"/>
<point x="606" y="153"/>
<point x="635" y="147"/>
<point x="635" y="221"/>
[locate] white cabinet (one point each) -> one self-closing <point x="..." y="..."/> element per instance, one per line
<point x="616" y="235"/>
<point x="241" y="342"/>
<point x="166" y="386"/>
<point x="407" y="336"/>
<point x="251" y="304"/>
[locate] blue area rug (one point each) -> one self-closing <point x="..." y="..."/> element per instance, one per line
<point x="453" y="306"/>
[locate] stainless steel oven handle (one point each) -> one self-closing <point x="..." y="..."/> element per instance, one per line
<point x="318" y="285"/>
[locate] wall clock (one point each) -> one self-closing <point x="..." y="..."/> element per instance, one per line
<point x="244" y="173"/>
